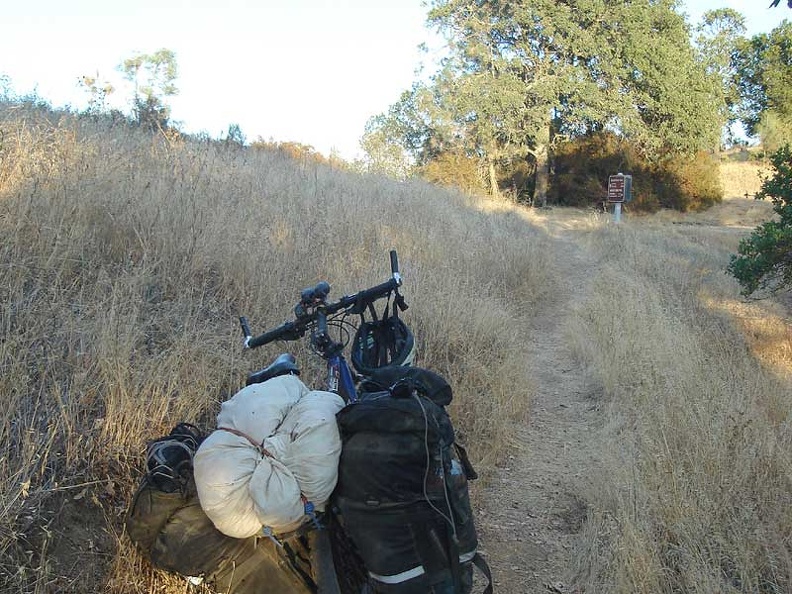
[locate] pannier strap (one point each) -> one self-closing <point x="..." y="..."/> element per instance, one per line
<point x="467" y="467"/>
<point x="481" y="563"/>
<point x="260" y="447"/>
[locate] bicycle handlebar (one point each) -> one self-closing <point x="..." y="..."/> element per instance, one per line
<point x="287" y="331"/>
<point x="313" y="298"/>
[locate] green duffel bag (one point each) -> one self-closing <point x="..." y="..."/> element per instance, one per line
<point x="166" y="522"/>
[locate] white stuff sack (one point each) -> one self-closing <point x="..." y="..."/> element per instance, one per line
<point x="240" y="487"/>
<point x="227" y="470"/>
<point x="309" y="444"/>
<point x="259" y="409"/>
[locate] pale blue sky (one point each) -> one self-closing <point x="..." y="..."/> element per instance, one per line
<point x="311" y="71"/>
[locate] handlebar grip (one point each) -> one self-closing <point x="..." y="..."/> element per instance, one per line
<point x="245" y="327"/>
<point x="287" y="331"/>
<point x="395" y="268"/>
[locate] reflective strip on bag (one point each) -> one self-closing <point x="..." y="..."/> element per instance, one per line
<point x="399" y="577"/>
<point x="415" y="571"/>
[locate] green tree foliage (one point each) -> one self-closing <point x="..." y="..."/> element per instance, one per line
<point x="154" y="77"/>
<point x="414" y="131"/>
<point x="5" y="88"/>
<point x="764" y="79"/>
<point x="765" y="258"/>
<point x="235" y="136"/>
<point x="382" y="154"/>
<point x="775" y="130"/>
<point x="670" y="103"/>
<point x="719" y="35"/>
<point x="522" y="75"/>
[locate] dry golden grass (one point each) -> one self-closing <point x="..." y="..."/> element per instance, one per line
<point x="766" y="330"/>
<point x="697" y="490"/>
<point x="125" y="260"/>
<point x="742" y="179"/>
<point x="744" y="213"/>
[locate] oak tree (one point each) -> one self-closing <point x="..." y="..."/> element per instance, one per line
<point x="521" y="74"/>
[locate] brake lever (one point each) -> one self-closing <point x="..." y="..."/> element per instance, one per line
<point x="400" y="302"/>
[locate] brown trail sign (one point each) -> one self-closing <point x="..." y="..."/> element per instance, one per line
<point x="619" y="191"/>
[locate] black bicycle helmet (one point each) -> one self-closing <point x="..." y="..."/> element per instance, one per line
<point x="169" y="459"/>
<point x="382" y="343"/>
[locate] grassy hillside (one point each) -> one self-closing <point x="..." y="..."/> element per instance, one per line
<point x="124" y="261"/>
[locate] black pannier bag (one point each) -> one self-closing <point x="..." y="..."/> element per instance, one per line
<point x="166" y="522"/>
<point x="403" y="486"/>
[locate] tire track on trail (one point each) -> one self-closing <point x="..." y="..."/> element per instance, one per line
<point x="531" y="512"/>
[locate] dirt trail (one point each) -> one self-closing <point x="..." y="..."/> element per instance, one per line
<point x="531" y="512"/>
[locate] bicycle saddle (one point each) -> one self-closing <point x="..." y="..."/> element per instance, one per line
<point x="285" y="363"/>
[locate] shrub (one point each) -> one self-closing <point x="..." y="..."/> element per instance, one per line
<point x="519" y="179"/>
<point x="454" y="169"/>
<point x="582" y="167"/>
<point x="688" y="184"/>
<point x="765" y="260"/>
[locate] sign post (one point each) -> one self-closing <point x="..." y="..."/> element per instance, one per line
<point x="619" y="192"/>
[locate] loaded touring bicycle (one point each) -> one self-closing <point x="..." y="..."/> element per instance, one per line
<point x="357" y="488"/>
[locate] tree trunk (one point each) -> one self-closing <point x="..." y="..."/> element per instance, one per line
<point x="493" y="179"/>
<point x="542" y="175"/>
<point x="541" y="153"/>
